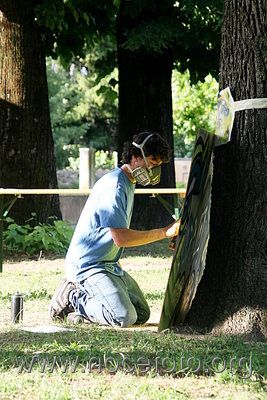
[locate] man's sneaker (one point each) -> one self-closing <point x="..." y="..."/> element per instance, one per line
<point x="60" y="306"/>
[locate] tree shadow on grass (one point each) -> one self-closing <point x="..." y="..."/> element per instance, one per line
<point x="107" y="350"/>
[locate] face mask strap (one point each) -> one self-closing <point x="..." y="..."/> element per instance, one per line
<point x="129" y="169"/>
<point x="140" y="146"/>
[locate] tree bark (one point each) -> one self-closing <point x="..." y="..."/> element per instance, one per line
<point x="145" y="104"/>
<point x="27" y="158"/>
<point x="231" y="297"/>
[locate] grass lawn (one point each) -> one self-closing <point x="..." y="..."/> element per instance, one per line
<point x="93" y="362"/>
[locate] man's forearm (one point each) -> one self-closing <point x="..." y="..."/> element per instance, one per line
<point x="128" y="237"/>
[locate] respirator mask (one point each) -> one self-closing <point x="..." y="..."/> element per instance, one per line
<point x="149" y="176"/>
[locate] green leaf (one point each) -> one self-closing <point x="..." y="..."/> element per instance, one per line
<point x="8" y="219"/>
<point x="102" y="90"/>
<point x="76" y="15"/>
<point x="113" y="82"/>
<point x="86" y="18"/>
<point x="111" y="95"/>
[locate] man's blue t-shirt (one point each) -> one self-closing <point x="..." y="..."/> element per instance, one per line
<point x="110" y="205"/>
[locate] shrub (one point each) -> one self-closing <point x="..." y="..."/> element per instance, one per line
<point x="54" y="237"/>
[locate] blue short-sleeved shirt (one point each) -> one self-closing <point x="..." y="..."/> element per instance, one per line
<point x="110" y="205"/>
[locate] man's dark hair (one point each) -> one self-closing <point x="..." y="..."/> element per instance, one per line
<point x="155" y="146"/>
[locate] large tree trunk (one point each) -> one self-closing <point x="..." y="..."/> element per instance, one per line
<point x="231" y="298"/>
<point x="145" y="104"/>
<point x="27" y="158"/>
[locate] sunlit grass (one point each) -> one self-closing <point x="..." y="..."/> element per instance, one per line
<point x="160" y="366"/>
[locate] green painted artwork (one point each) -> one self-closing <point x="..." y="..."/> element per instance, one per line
<point x="192" y="242"/>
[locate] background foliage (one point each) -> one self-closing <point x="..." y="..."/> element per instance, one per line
<point x="83" y="85"/>
<point x="84" y="109"/>
<point x="194" y="106"/>
<point x="83" y="105"/>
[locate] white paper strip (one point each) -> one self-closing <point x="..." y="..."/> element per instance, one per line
<point x="250" y="103"/>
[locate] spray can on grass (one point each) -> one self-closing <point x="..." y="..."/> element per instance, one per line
<point x="16" y="308"/>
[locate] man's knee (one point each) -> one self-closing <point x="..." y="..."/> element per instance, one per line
<point x="134" y="317"/>
<point x="143" y="316"/>
<point x="129" y="318"/>
<point x="123" y="318"/>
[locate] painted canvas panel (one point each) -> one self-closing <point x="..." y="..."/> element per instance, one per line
<point x="191" y="246"/>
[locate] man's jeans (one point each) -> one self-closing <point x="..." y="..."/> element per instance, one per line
<point x="110" y="300"/>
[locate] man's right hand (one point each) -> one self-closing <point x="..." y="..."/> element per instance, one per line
<point x="173" y="229"/>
